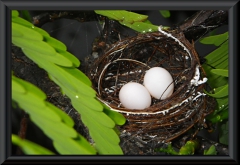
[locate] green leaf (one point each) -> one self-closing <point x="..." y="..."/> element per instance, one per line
<point x="15" y="13"/>
<point x="214" y="80"/>
<point x="83" y="142"/>
<point x="62" y="78"/>
<point x="216" y="39"/>
<point x="17" y="87"/>
<point x="56" y="59"/>
<point x="23" y="22"/>
<point x="29" y="147"/>
<point x="131" y="17"/>
<point x="34" y="46"/>
<point x="55" y="43"/>
<point x="30" y="88"/>
<point x="16" y="32"/>
<point x="65" y="118"/>
<point x="222" y="103"/>
<point x="41" y="31"/>
<point x="70" y="57"/>
<point x="132" y="20"/>
<point x="105" y="149"/>
<point x="220" y="72"/>
<point x="78" y="75"/>
<point x="122" y="15"/>
<point x="165" y="13"/>
<point x="25" y="32"/>
<point x="168" y="150"/>
<point x="25" y="14"/>
<point x="224" y="133"/>
<point x="32" y="101"/>
<point x="70" y="91"/>
<point x="118" y="118"/>
<point x="141" y="26"/>
<point x="101" y="134"/>
<point x="220" y="92"/>
<point x="112" y="14"/>
<point x="217" y="54"/>
<point x="70" y="85"/>
<point x="218" y="116"/>
<point x="28" y="99"/>
<point x="37" y="111"/>
<point x="72" y="147"/>
<point x="100" y="117"/>
<point x="221" y="63"/>
<point x="55" y="130"/>
<point x="210" y="151"/>
<point x="89" y="102"/>
<point x="188" y="148"/>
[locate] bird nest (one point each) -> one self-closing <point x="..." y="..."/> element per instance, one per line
<point x="129" y="59"/>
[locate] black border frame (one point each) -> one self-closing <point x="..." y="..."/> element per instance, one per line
<point x="5" y="80"/>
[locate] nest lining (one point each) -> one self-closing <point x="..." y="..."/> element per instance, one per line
<point x="129" y="59"/>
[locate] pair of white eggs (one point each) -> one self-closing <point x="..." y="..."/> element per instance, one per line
<point x="157" y="83"/>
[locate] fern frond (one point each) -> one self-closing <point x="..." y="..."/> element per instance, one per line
<point x="56" y="124"/>
<point x="51" y="55"/>
<point x="137" y="22"/>
<point x="216" y="67"/>
<point x="29" y="147"/>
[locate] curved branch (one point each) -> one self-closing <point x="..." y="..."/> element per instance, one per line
<point x="202" y="22"/>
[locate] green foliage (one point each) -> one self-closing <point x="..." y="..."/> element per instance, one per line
<point x="168" y="150"/>
<point x="210" y="151"/>
<point x="56" y="124"/>
<point x="216" y="40"/>
<point x="220" y="72"/>
<point x="216" y="67"/>
<point x="51" y="55"/>
<point x="25" y="15"/>
<point x="188" y="149"/>
<point x="165" y="13"/>
<point x="137" y="22"/>
<point x="223" y="133"/>
<point x="217" y="73"/>
<point x="30" y="148"/>
<point x="116" y="117"/>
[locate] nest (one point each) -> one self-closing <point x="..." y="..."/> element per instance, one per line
<point x="129" y="59"/>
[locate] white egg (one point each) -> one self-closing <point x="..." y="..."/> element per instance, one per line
<point x="134" y="96"/>
<point x="159" y="83"/>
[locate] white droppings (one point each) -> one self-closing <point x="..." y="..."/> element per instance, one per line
<point x="199" y="94"/>
<point x="107" y="78"/>
<point x="179" y="42"/>
<point x="152" y="136"/>
<point x="195" y="81"/>
<point x="189" y="113"/>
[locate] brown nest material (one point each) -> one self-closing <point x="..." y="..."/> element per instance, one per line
<point x="129" y="59"/>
